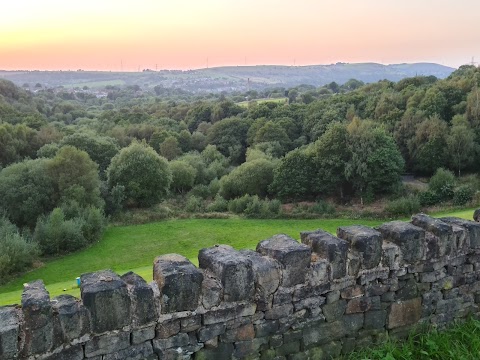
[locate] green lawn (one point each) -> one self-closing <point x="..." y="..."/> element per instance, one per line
<point x="125" y="248"/>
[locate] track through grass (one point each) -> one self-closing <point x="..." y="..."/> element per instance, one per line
<point x="125" y="248"/>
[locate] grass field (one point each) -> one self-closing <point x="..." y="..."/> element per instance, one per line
<point x="125" y="248"/>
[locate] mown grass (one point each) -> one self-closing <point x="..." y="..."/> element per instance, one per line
<point x="125" y="248"/>
<point x="461" y="341"/>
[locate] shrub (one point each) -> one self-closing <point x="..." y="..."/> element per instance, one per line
<point x="17" y="253"/>
<point x="239" y="205"/>
<point x="442" y="184"/>
<point x="69" y="228"/>
<point x="323" y="208"/>
<point x="201" y="191"/>
<point x="463" y="194"/>
<point x="218" y="205"/>
<point x="403" y="206"/>
<point x="194" y="204"/>
<point x="428" y="198"/>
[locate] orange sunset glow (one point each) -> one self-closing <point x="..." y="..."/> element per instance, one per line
<point x="131" y="35"/>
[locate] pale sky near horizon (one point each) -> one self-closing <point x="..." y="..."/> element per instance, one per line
<point x="130" y="35"/>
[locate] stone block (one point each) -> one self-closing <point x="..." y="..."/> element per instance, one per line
<point x="267" y="273"/>
<point x="375" y="320"/>
<point x="241" y="333"/>
<point x="71" y="317"/>
<point x="179" y="340"/>
<point x="330" y="248"/>
<point x="278" y="312"/>
<point x="9" y="331"/>
<point x="74" y="352"/>
<point x="472" y="227"/>
<point x="105" y="295"/>
<point x="37" y="318"/>
<point x="212" y="291"/>
<point x="476" y="215"/>
<point x="358" y="305"/>
<point x="143" y="334"/>
<point x="403" y="313"/>
<point x="143" y="303"/>
<point x="136" y="352"/>
<point x="232" y="268"/>
<point x="191" y="323"/>
<point x="293" y="257"/>
<point x="409" y="238"/>
<point x="365" y="242"/>
<point x="228" y="312"/>
<point x="179" y="282"/>
<point x="323" y="333"/>
<point x="318" y="273"/>
<point x="106" y="344"/>
<point x="353" y="322"/>
<point x="391" y="256"/>
<point x="437" y="227"/>
<point x="222" y="352"/>
<point x="209" y="332"/>
<point x="168" y="328"/>
<point x="334" y="310"/>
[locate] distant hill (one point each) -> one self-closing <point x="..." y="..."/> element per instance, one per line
<point x="228" y="78"/>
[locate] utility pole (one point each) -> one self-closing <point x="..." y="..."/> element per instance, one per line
<point x="473" y="63"/>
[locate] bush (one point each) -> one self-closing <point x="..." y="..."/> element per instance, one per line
<point x="403" y="206"/>
<point x="442" y="184"/>
<point x="194" y="204"/>
<point x="239" y="205"/>
<point x="219" y="205"/>
<point x="69" y="228"/>
<point x="463" y="194"/>
<point x="322" y="207"/>
<point x="201" y="191"/>
<point x="254" y="207"/>
<point x="17" y="253"/>
<point x="428" y="198"/>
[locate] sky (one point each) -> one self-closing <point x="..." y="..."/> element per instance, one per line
<point x="132" y="35"/>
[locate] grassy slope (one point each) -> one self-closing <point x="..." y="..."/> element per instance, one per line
<point x="125" y="248"/>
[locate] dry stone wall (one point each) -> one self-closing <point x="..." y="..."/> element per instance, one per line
<point x="287" y="300"/>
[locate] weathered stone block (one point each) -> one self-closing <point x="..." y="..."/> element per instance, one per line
<point x="38" y="318"/>
<point x="294" y="257"/>
<point x="242" y="333"/>
<point x="323" y="333"/>
<point x="476" y="215"/>
<point x="358" y="305"/>
<point x="353" y="322"/>
<point x="267" y="272"/>
<point x="143" y="334"/>
<point x="179" y="340"/>
<point x="233" y="268"/>
<point x="226" y="313"/>
<point x="334" y="310"/>
<point x="391" y="256"/>
<point x="409" y="238"/>
<point x="212" y="331"/>
<point x="440" y="229"/>
<point x="9" y="328"/>
<point x="403" y="313"/>
<point x="472" y="227"/>
<point x="168" y="328"/>
<point x="105" y="295"/>
<point x="222" y="352"/>
<point x="71" y="316"/>
<point x="278" y="312"/>
<point x="318" y="273"/>
<point x="330" y="248"/>
<point x="375" y="320"/>
<point x="365" y="242"/>
<point x="143" y="303"/>
<point x="212" y="291"/>
<point x="108" y="343"/>
<point x="136" y="352"/>
<point x="74" y="352"/>
<point x="191" y="323"/>
<point x="179" y="282"/>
